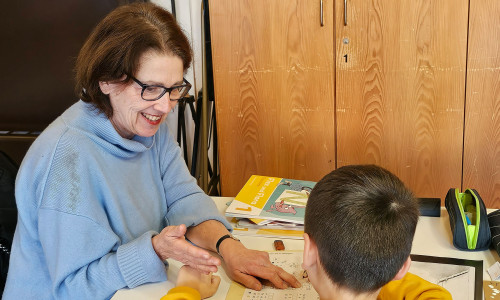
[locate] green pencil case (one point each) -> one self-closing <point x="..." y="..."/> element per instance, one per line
<point x="468" y="220"/>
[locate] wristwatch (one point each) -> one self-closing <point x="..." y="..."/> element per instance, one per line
<point x="227" y="236"/>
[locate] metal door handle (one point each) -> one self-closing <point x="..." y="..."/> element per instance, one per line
<point x="321" y="12"/>
<point x="345" y="12"/>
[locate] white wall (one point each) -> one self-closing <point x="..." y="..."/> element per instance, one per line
<point x="188" y="14"/>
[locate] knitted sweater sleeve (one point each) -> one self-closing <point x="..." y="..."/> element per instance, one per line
<point x="186" y="201"/>
<point x="90" y="262"/>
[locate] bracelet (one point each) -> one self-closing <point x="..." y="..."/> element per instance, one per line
<point x="227" y="236"/>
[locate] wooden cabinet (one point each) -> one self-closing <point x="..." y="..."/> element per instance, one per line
<point x="406" y="85"/>
<point x="481" y="165"/>
<point x="274" y="86"/>
<point x="401" y="89"/>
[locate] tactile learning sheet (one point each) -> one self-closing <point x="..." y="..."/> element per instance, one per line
<point x="290" y="261"/>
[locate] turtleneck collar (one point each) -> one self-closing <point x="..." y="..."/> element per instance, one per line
<point x="88" y="119"/>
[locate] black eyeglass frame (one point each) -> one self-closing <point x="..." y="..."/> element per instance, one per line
<point x="165" y="89"/>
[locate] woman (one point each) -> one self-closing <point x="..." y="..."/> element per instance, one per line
<point x="103" y="194"/>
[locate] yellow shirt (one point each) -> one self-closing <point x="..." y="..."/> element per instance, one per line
<point x="412" y="287"/>
<point x="182" y="293"/>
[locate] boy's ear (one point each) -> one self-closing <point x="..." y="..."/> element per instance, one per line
<point x="404" y="269"/>
<point x="310" y="252"/>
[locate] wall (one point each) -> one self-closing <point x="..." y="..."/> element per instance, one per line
<point x="45" y="66"/>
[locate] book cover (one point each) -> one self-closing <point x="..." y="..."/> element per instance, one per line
<point x="272" y="198"/>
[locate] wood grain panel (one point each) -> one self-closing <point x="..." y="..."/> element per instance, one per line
<point x="482" y="122"/>
<point x="400" y="95"/>
<point x="274" y="89"/>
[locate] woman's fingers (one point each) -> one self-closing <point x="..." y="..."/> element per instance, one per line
<point x="248" y="281"/>
<point x="171" y="243"/>
<point x="251" y="264"/>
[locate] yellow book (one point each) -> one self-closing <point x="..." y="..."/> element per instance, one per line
<point x="272" y="198"/>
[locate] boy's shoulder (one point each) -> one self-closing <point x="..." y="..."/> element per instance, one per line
<point x="411" y="287"/>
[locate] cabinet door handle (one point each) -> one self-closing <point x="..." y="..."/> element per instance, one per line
<point x="345" y="12"/>
<point x="321" y="12"/>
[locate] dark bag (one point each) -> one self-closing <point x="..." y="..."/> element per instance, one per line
<point x="468" y="220"/>
<point x="8" y="212"/>
<point x="494" y="220"/>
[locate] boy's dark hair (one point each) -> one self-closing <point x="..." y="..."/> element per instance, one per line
<point x="116" y="44"/>
<point x="362" y="219"/>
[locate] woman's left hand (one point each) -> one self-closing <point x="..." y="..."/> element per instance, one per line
<point x="243" y="265"/>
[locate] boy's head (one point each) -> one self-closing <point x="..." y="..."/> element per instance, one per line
<point x="361" y="219"/>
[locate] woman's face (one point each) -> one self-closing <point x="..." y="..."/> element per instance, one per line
<point x="131" y="114"/>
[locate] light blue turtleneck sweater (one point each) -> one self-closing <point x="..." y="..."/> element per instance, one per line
<point x="89" y="202"/>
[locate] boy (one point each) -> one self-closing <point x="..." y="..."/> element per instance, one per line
<point x="359" y="227"/>
<point x="193" y="285"/>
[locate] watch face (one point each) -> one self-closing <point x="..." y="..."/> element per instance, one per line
<point x="234" y="238"/>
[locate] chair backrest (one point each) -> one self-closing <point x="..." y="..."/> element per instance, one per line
<point x="8" y="212"/>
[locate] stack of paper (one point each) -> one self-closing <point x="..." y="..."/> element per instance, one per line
<point x="268" y="224"/>
<point x="271" y="203"/>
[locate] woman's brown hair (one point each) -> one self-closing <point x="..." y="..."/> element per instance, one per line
<point x="114" y="47"/>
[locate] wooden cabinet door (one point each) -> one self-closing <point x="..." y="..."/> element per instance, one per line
<point x="400" y="89"/>
<point x="482" y="119"/>
<point x="274" y="89"/>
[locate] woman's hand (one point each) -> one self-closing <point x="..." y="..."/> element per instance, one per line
<point x="206" y="284"/>
<point x="171" y="243"/>
<point x="243" y="265"/>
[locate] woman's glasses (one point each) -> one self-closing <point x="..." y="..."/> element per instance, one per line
<point x="155" y="92"/>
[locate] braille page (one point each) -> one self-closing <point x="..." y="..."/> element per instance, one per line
<point x="290" y="261"/>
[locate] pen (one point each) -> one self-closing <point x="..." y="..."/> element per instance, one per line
<point x="452" y="276"/>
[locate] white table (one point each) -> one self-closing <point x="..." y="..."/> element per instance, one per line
<point x="433" y="237"/>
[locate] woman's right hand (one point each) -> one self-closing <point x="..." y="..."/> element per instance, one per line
<point x="171" y="243"/>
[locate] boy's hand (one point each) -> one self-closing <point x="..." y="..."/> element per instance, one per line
<point x="206" y="284"/>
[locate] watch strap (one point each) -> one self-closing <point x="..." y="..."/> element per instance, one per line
<point x="222" y="238"/>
